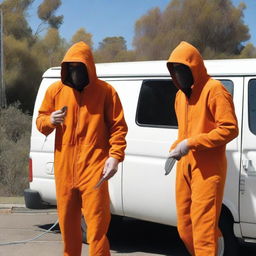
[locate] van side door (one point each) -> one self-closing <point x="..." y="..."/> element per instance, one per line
<point x="248" y="166"/>
<point x="234" y="84"/>
<point x="147" y="193"/>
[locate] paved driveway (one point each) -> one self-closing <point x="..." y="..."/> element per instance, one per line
<point x="129" y="237"/>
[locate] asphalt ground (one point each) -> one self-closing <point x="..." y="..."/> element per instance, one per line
<point x="127" y="237"/>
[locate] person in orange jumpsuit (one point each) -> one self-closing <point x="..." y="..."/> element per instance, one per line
<point x="206" y="123"/>
<point x="89" y="144"/>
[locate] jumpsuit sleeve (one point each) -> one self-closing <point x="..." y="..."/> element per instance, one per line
<point x="43" y="122"/>
<point x="222" y="110"/>
<point x="178" y="140"/>
<point x="117" y="127"/>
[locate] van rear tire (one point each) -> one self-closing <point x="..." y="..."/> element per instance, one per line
<point x="33" y="199"/>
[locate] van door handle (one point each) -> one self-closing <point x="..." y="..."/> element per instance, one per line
<point x="246" y="164"/>
<point x="248" y="167"/>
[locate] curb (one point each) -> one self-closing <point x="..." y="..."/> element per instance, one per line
<point x="4" y="206"/>
<point x="21" y="208"/>
<point x="8" y="208"/>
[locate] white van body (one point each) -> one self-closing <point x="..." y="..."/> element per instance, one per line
<point x="140" y="189"/>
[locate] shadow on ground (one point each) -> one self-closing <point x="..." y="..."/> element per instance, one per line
<point x="55" y="229"/>
<point x="128" y="235"/>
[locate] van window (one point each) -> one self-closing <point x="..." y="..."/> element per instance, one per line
<point x="252" y="105"/>
<point x="156" y="104"/>
<point x="228" y="85"/>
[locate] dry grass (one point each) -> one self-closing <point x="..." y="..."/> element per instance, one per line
<point x="12" y="200"/>
<point x="14" y="150"/>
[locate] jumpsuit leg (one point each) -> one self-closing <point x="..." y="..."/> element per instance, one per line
<point x="207" y="195"/>
<point x="69" y="211"/>
<point x="183" y="205"/>
<point x="96" y="210"/>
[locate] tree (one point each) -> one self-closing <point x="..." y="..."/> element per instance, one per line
<point x="215" y="27"/>
<point x="249" y="51"/>
<point x="21" y="70"/>
<point x="26" y="57"/>
<point x="46" y="12"/>
<point x="113" y="49"/>
<point x="49" y="50"/>
<point x="82" y="35"/>
<point x="15" y="23"/>
<point x="22" y="73"/>
<point x="113" y="44"/>
<point x="147" y="30"/>
<point x="54" y="47"/>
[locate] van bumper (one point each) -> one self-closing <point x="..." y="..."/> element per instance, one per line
<point x="33" y="200"/>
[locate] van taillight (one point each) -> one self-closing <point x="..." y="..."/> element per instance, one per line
<point x="30" y="171"/>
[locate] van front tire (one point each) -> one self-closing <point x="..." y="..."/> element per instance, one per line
<point x="226" y="223"/>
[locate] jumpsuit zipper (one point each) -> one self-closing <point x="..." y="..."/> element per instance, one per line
<point x="186" y="131"/>
<point x="186" y="119"/>
<point x="76" y="140"/>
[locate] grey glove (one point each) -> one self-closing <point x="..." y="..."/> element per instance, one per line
<point x="180" y="150"/>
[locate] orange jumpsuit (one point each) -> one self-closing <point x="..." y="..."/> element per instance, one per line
<point x="207" y="119"/>
<point x="94" y="129"/>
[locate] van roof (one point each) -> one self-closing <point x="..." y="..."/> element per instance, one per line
<point x="226" y="67"/>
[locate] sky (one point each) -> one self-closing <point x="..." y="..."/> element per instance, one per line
<point x="107" y="18"/>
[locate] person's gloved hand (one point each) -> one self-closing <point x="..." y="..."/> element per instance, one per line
<point x="110" y="168"/>
<point x="57" y="117"/>
<point x="180" y="150"/>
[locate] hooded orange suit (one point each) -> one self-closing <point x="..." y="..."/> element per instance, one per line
<point x="94" y="129"/>
<point x="207" y="119"/>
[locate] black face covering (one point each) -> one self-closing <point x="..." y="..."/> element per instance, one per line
<point x="183" y="77"/>
<point x="77" y="76"/>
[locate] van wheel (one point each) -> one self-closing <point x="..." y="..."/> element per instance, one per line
<point x="226" y="222"/>
<point x="83" y="228"/>
<point x="33" y="200"/>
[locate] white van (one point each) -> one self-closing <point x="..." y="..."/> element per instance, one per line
<point x="140" y="189"/>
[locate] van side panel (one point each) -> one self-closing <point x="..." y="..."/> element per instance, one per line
<point x="233" y="152"/>
<point x="147" y="193"/>
<point x="41" y="153"/>
<point x="248" y="165"/>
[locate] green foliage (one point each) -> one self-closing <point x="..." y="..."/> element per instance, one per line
<point x="14" y="150"/>
<point x="147" y="35"/>
<point x="16" y="5"/>
<point x="49" y="50"/>
<point x="27" y="56"/>
<point x="113" y="49"/>
<point x="46" y="11"/>
<point x="82" y="35"/>
<point x="55" y="21"/>
<point x="52" y="48"/>
<point x="215" y="27"/>
<point x="114" y="44"/>
<point x="22" y="72"/>
<point x="249" y="51"/>
<point x="15" y="23"/>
